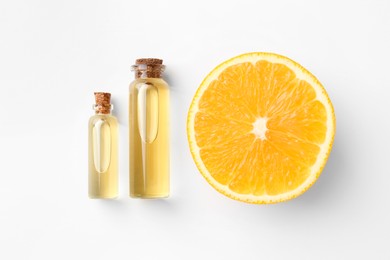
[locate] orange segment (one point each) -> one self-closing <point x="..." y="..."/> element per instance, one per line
<point x="260" y="128"/>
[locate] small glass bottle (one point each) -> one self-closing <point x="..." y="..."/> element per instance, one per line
<point x="103" y="150"/>
<point x="149" y="131"/>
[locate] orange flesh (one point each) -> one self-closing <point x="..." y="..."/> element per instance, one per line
<point x="230" y="148"/>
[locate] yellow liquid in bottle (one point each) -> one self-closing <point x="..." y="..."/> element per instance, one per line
<point x="149" y="138"/>
<point x="103" y="157"/>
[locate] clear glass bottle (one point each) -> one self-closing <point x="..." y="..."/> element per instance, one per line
<point x="149" y="131"/>
<point x="103" y="150"/>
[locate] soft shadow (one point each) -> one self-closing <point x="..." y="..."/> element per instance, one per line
<point x="169" y="204"/>
<point x="169" y="79"/>
<point x="120" y="110"/>
<point x="114" y="204"/>
<point x="328" y="191"/>
<point x="123" y="204"/>
<point x="332" y="179"/>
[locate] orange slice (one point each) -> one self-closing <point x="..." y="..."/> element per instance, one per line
<point x="260" y="128"/>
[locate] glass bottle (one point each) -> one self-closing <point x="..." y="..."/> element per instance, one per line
<point x="149" y="131"/>
<point x="103" y="150"/>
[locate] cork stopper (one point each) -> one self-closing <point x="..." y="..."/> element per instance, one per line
<point x="103" y="102"/>
<point x="148" y="68"/>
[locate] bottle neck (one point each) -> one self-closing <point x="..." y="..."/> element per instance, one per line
<point x="102" y="110"/>
<point x="102" y="113"/>
<point x="143" y="71"/>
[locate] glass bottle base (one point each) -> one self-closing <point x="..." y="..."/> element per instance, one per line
<point x="149" y="196"/>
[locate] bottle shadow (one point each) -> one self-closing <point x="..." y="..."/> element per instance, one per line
<point x="120" y="110"/>
<point x="124" y="204"/>
<point x="168" y="79"/>
<point x="167" y="204"/>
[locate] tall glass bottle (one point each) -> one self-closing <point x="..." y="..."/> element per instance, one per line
<point x="103" y="150"/>
<point x="149" y="131"/>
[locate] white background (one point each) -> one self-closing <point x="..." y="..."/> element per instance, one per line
<point x="55" y="54"/>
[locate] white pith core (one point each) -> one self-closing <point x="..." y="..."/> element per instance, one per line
<point x="260" y="128"/>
